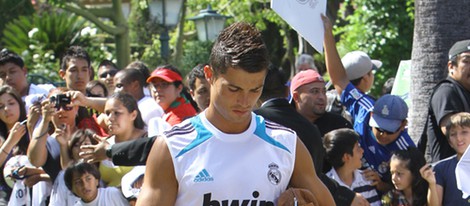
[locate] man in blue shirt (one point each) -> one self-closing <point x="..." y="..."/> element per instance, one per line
<point x="381" y="124"/>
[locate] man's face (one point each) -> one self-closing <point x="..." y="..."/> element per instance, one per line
<point x="234" y="94"/>
<point x="461" y="72"/>
<point x="119" y="85"/>
<point x="201" y="93"/>
<point x="311" y="99"/>
<point x="14" y="75"/>
<point x="77" y="74"/>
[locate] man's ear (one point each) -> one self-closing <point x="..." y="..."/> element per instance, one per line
<point x="25" y="71"/>
<point x="208" y="73"/>
<point x="62" y="74"/>
<point x="450" y="68"/>
<point x="295" y="96"/>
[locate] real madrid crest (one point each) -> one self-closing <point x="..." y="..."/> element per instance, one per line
<point x="274" y="175"/>
<point x="385" y="111"/>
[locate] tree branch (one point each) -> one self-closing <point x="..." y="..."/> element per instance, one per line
<point x="102" y="12"/>
<point x="85" y="13"/>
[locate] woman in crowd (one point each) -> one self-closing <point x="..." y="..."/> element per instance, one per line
<point x="44" y="149"/>
<point x="169" y="92"/>
<point x="13" y="133"/>
<point x="124" y="123"/>
<point x="97" y="88"/>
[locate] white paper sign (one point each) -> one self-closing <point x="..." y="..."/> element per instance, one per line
<point x="304" y="17"/>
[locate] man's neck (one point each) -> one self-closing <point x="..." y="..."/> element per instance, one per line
<point x="25" y="90"/>
<point x="224" y="125"/>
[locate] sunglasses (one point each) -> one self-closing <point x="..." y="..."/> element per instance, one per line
<point x="382" y="131"/>
<point x="65" y="108"/>
<point x="110" y="73"/>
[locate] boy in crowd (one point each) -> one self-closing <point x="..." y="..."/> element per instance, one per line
<point x="442" y="182"/>
<point x="83" y="180"/>
<point x="344" y="153"/>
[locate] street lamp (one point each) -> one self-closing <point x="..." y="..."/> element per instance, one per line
<point x="209" y="24"/>
<point x="167" y="12"/>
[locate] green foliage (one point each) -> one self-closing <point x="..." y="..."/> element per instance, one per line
<point x="10" y="10"/>
<point x="195" y="52"/>
<point x="381" y="28"/>
<point x="42" y="38"/>
<point x="141" y="26"/>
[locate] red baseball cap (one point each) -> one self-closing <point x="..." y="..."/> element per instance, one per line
<point x="305" y="77"/>
<point x="165" y="74"/>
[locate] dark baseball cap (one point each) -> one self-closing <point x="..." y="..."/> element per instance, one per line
<point x="459" y="47"/>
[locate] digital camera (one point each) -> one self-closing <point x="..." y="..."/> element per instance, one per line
<point x="60" y="100"/>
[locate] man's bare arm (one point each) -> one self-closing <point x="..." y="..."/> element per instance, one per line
<point x="333" y="63"/>
<point x="304" y="176"/>
<point x="160" y="185"/>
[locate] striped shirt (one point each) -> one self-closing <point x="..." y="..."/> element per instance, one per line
<point x="359" y="185"/>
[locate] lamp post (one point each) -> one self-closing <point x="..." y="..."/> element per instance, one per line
<point x="209" y="24"/>
<point x="167" y="12"/>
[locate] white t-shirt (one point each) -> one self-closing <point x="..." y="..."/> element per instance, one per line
<point x="214" y="167"/>
<point x="149" y="109"/>
<point x="106" y="196"/>
<point x="36" y="93"/>
<point x="61" y="195"/>
<point x="359" y="185"/>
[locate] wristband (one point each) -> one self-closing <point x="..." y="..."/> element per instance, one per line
<point x="109" y="153"/>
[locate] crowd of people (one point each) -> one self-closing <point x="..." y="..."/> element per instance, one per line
<point x="235" y="131"/>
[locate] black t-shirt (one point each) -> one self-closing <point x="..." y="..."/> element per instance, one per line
<point x="331" y="121"/>
<point x="446" y="100"/>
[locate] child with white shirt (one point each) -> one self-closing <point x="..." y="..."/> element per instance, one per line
<point x="83" y="180"/>
<point x="344" y="154"/>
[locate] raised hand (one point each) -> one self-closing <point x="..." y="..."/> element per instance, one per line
<point x="428" y="174"/>
<point x="95" y="153"/>
<point x="63" y="135"/>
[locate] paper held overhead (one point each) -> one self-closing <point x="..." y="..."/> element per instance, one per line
<point x="305" y="17"/>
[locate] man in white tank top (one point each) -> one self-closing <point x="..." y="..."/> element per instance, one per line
<point x="227" y="155"/>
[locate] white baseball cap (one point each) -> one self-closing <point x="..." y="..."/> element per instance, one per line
<point x="358" y="63"/>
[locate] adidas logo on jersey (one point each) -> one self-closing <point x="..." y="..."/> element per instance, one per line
<point x="203" y="176"/>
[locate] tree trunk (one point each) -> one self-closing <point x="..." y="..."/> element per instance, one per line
<point x="178" y="54"/>
<point x="123" y="49"/>
<point x="438" y="25"/>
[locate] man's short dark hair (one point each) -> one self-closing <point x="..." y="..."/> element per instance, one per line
<point x="129" y="75"/>
<point x="337" y="143"/>
<point x="74" y="52"/>
<point x="239" y="46"/>
<point x="196" y="72"/>
<point x="274" y="84"/>
<point x="7" y="56"/>
<point x="356" y="82"/>
<point x="80" y="169"/>
<point x="141" y="66"/>
<point x="108" y="63"/>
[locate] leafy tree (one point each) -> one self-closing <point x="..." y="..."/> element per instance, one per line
<point x="119" y="28"/>
<point x="42" y="38"/>
<point x="10" y="10"/>
<point x="381" y="28"/>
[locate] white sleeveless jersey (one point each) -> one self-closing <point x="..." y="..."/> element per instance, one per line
<point x="218" y="169"/>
